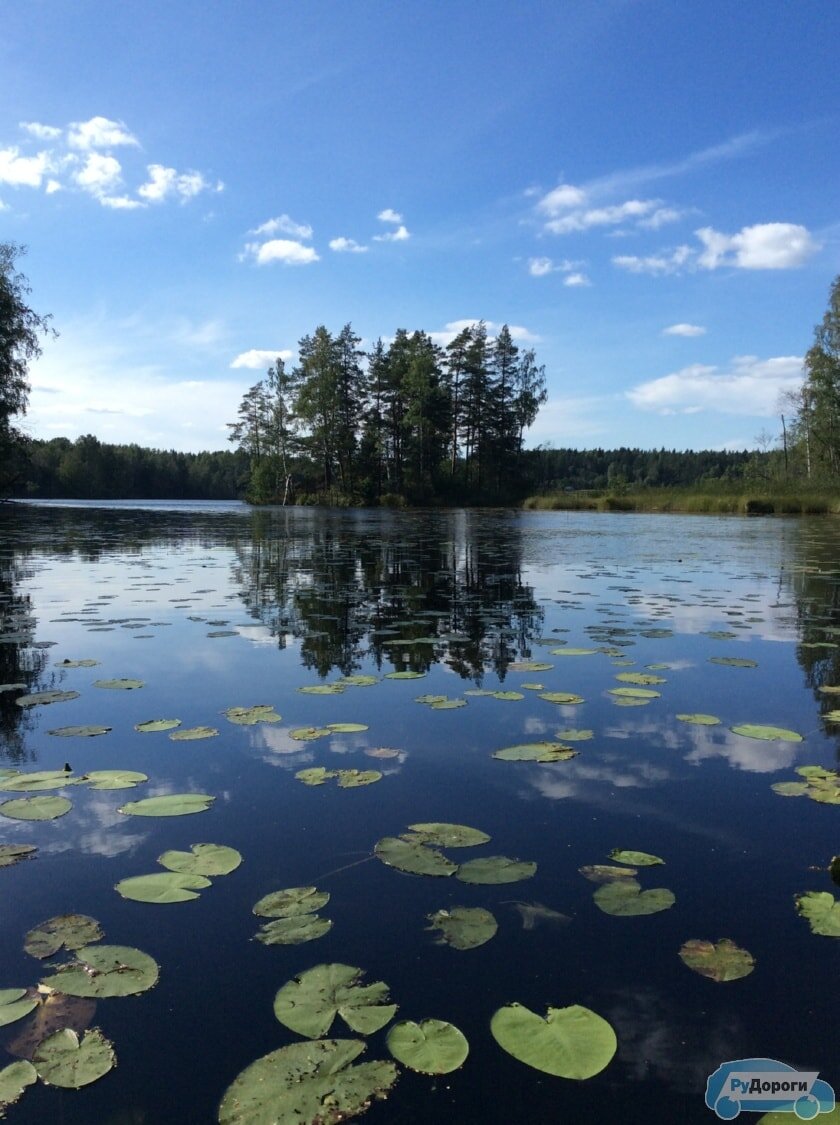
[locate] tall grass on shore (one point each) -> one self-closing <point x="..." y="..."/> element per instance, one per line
<point x="752" y="503"/>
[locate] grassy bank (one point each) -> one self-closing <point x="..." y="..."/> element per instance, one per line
<point x="745" y="502"/>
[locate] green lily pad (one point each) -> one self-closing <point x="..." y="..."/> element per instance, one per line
<point x="15" y="1003"/>
<point x="429" y="699"/>
<point x="293" y="931"/>
<point x="162" y="887"/>
<point x="721" y="962"/>
<point x="603" y="873"/>
<point x="307" y="1083"/>
<point x="822" y="911"/>
<point x="193" y="734"/>
<point x="250" y="716"/>
<point x="309" y="1002"/>
<point x="790" y="788"/>
<point x="575" y="735"/>
<point x="359" y="680"/>
<point x="202" y="859"/>
<point x="448" y="704"/>
<point x="291" y="902"/>
<point x="413" y="857"/>
<point x="152" y="726"/>
<point x="322" y="689"/>
<point x="76" y="663"/>
<point x="561" y="697"/>
<point x="625" y="897"/>
<point x="751" y="730"/>
<point x="124" y="684"/>
<point x="353" y="779"/>
<point x="11" y="854"/>
<point x="832" y="716"/>
<point x="430" y="1047"/>
<point x="404" y="675"/>
<point x="41" y="698"/>
<point x="463" y="927"/>
<point x="572" y="1042"/>
<point x="447" y="835"/>
<point x="509" y="696"/>
<point x="536" y="752"/>
<point x="530" y="666"/>
<point x="102" y="971"/>
<point x="641" y="678"/>
<point x="37" y="781"/>
<point x="733" y="661"/>
<point x="70" y="931"/>
<point x="308" y="734"/>
<point x="173" y="804"/>
<point x="634" y="693"/>
<point x="573" y="651"/>
<point x="79" y="732"/>
<point x="477" y="692"/>
<point x="346" y="728"/>
<point x="700" y="720"/>
<point x="36" y="808"/>
<point x="635" y="859"/>
<point x="495" y="869"/>
<point x="62" y="1059"/>
<point x="114" y="779"/>
<point x="14" y="1079"/>
<point x="315" y="775"/>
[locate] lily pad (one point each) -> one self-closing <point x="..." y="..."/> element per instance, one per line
<point x="70" y="931"/>
<point x="114" y="779"/>
<point x="509" y="696"/>
<point x="573" y="651"/>
<point x="307" y="1083"/>
<point x="790" y="788"/>
<point x="572" y="1042"/>
<point x="719" y="962"/>
<point x="14" y="1079"/>
<point x="404" y="675"/>
<point x="202" y="859"/>
<point x="536" y="752"/>
<point x="322" y="689"/>
<point x="430" y="1047"/>
<point x="463" y="927"/>
<point x="123" y="684"/>
<point x="359" y="680"/>
<point x="448" y="704"/>
<point x="172" y="804"/>
<point x="562" y="697"/>
<point x="76" y="663"/>
<point x="430" y="699"/>
<point x="36" y="808"/>
<point x="352" y="779"/>
<point x="603" y="873"/>
<point x="162" y="887"/>
<point x="293" y="931"/>
<point x="193" y="734"/>
<point x="15" y="1003"/>
<point x="64" y="1060"/>
<point x="11" y="854"/>
<point x="752" y="730"/>
<point x="641" y="678"/>
<point x="634" y="693"/>
<point x="309" y="1002"/>
<point x="308" y="734"/>
<point x="102" y="971"/>
<point x="448" y="835"/>
<point x="250" y="716"/>
<point x="36" y="781"/>
<point x="495" y="869"/>
<point x="40" y="698"/>
<point x="291" y="902"/>
<point x="699" y="719"/>
<point x="152" y="726"/>
<point x="79" y="732"/>
<point x="413" y="857"/>
<point x="346" y="728"/>
<point x="822" y="910"/>
<point x="315" y="775"/>
<point x="530" y="666"/>
<point x="635" y="859"/>
<point x="573" y="735"/>
<point x="733" y="661"/>
<point x="625" y="897"/>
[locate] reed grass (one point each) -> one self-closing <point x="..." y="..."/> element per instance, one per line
<point x="747" y="503"/>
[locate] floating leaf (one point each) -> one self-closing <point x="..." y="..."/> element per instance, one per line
<point x="70" y="931"/>
<point x="162" y="887"/>
<point x="495" y="869"/>
<point x="822" y="911"/>
<point x="250" y="716"/>
<point x="64" y="1060"/>
<point x="114" y="779"/>
<point x="37" y="781"/>
<point x="413" y="857"/>
<point x="445" y="835"/>
<point x="43" y="697"/>
<point x="790" y="788"/>
<point x="308" y="1083"/>
<point x="404" y="675"/>
<point x="562" y="697"/>
<point x="359" y="680"/>
<point x="509" y="696"/>
<point x="76" y="663"/>
<point x="291" y="902"/>
<point x="572" y="1042"/>
<point x="634" y="693"/>
<point x="14" y="853"/>
<point x="293" y="931"/>
<point x="309" y="1002"/>
<point x="700" y="720"/>
<point x="448" y="704"/>
<point x="575" y="735"/>
<point x="173" y="804"/>
<point x="14" y="1079"/>
<point x="346" y="728"/>
<point x="15" y="1003"/>
<point x="102" y="971"/>
<point x="733" y="661"/>
<point x="430" y="699"/>
<point x="529" y="666"/>
<point x="532" y="913"/>
<point x="192" y="734"/>
<point x="430" y="1047"/>
<point x="625" y="897"/>
<point x="352" y="779"/>
<point x="308" y="734"/>
<point x="832" y="716"/>
<point x="721" y="962"/>
<point x="751" y="730"/>
<point x="123" y="684"/>
<point x="202" y="859"/>
<point x="635" y="859"/>
<point x="536" y="752"/>
<point x="463" y="927"/>
<point x="316" y="775"/>
<point x="603" y="873"/>
<point x="79" y="732"/>
<point x="322" y="689"/>
<point x="36" y="808"/>
<point x="573" y="651"/>
<point x="642" y="678"/>
<point x="151" y="726"/>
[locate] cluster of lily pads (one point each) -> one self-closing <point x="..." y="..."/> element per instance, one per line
<point x="186" y="873"/>
<point x="50" y="808"/>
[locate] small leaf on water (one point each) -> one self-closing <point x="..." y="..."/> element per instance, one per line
<point x="14" y="1079"/>
<point x="79" y="732"/>
<point x="575" y="735"/>
<point x="15" y="1003"/>
<point x="430" y="1047"/>
<point x="536" y="752"/>
<point x="572" y="1042"/>
<point x="413" y="857"/>
<point x="101" y="971"/>
<point x="624" y="898"/>
<point x="14" y="853"/>
<point x="250" y="716"/>
<point x="309" y="1002"/>
<point x="192" y="734"/>
<point x="315" y="775"/>
<point x="162" y="887"/>
<point x="404" y="675"/>
<point x="120" y="684"/>
<point x="70" y="931"/>
<point x="495" y="869"/>
<point x="445" y="835"/>
<point x="202" y="859"/>
<point x="43" y="697"/>
<point x="172" y="804"/>
<point x="752" y="730"/>
<point x="733" y="661"/>
<point x="76" y="663"/>
<point x="573" y="651"/>
<point x="293" y="931"/>
<point x="353" y="779"/>
<point x="36" y="808"/>
<point x="308" y="734"/>
<point x="635" y="859"/>
<point x="463" y="927"/>
<point x="700" y="720"/>
<point x="37" y="781"/>
<point x="561" y="697"/>
<point x="151" y="726"/>
<point x="508" y="696"/>
<point x="346" y="728"/>
<point x="291" y="902"/>
<point x="113" y="779"/>
<point x="634" y="693"/>
<point x="64" y="1060"/>
<point x="719" y="962"/>
<point x="359" y="680"/>
<point x="822" y="911"/>
<point x="322" y="689"/>
<point x="642" y="678"/>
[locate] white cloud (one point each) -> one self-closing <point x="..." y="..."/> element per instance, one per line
<point x="22" y="171"/>
<point x="684" y="330"/>
<point x="389" y="215"/>
<point x="581" y="220"/>
<point x="660" y="217"/>
<point x="165" y="182"/>
<point x="539" y="267"/>
<point x="42" y="132"/>
<point x="284" y="250"/>
<point x="577" y="280"/>
<point x="120" y="202"/>
<point x="562" y="198"/>
<point x="453" y="327"/>
<point x="398" y="235"/>
<point x="52" y="187"/>
<point x="99" y="132"/>
<point x="99" y="175"/>
<point x="283" y="224"/>
<point x="347" y="246"/>
<point x="256" y="359"/>
<point x="750" y="386"/>
<point x="656" y="263"/>
<point x="764" y="246"/>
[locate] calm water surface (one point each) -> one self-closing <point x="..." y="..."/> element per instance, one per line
<point x="214" y="606"/>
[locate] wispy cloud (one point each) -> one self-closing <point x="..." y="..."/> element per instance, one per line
<point x="684" y="330"/>
<point x="99" y="132"/>
<point x="657" y="264"/>
<point x="283" y="224"/>
<point x="347" y="246"/>
<point x="454" y="327"/>
<point x="401" y="234"/>
<point x="256" y="359"/>
<point x="750" y="386"/>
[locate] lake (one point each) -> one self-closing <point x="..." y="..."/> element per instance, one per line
<point x="727" y="622"/>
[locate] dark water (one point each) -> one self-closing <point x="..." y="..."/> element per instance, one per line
<point x="313" y="596"/>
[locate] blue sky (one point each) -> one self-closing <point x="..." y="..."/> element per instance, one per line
<point x="645" y="190"/>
